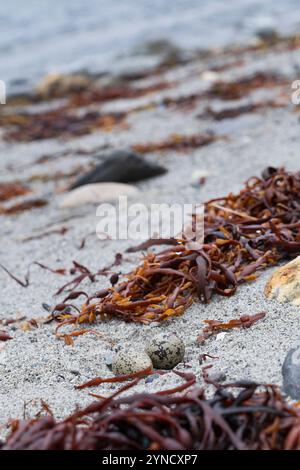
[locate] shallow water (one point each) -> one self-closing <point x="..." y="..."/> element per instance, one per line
<point x="42" y="36"/>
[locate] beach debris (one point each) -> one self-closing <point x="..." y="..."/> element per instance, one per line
<point x="199" y="177"/>
<point x="227" y="90"/>
<point x="23" y="206"/>
<point x="284" y="284"/>
<point x="130" y="361"/>
<point x="114" y="92"/>
<point x="26" y="281"/>
<point x="132" y="377"/>
<point x="165" y="351"/>
<point x="97" y="193"/>
<point x="62" y="122"/>
<point x="185" y="103"/>
<point x="177" y="143"/>
<point x="234" y="90"/>
<point x="242" y="415"/>
<point x="59" y="231"/>
<point x="4" y="336"/>
<point x="214" y="326"/>
<point x="121" y="166"/>
<point x="236" y="111"/>
<point x="44" y="177"/>
<point x="243" y="234"/>
<point x="291" y="372"/>
<point x="69" y="337"/>
<point x="11" y="190"/>
<point x="57" y="85"/>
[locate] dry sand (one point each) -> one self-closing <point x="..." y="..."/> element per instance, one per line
<point x="36" y="365"/>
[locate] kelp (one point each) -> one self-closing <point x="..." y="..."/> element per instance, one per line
<point x="78" y="270"/>
<point x="237" y="89"/>
<point x="228" y="90"/>
<point x="59" y="231"/>
<point x="243" y="234"/>
<point x="23" y="206"/>
<point x="11" y="190"/>
<point x="234" y="112"/>
<point x="178" y="143"/>
<point x="214" y="326"/>
<point x="111" y="93"/>
<point x="238" y="416"/>
<point x="4" y="336"/>
<point x="61" y="122"/>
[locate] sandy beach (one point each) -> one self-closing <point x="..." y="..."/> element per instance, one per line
<point x="35" y="365"/>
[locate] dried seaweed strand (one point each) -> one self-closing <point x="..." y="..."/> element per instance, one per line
<point x="214" y="326"/>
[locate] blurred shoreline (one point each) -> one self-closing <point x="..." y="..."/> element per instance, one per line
<point x="115" y="37"/>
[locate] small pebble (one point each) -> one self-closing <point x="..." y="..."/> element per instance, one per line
<point x="166" y="351"/>
<point x="114" y="278"/>
<point x="151" y="378"/>
<point x="46" y="307"/>
<point x="130" y="362"/>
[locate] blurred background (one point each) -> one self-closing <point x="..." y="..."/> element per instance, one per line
<point x="39" y="37"/>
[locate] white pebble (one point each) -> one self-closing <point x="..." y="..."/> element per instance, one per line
<point x="97" y="193"/>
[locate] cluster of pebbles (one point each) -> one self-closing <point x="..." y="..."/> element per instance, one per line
<point x="162" y="352"/>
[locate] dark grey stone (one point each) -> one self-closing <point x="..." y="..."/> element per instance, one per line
<point x="291" y="372"/>
<point x="121" y="166"/>
<point x="268" y="34"/>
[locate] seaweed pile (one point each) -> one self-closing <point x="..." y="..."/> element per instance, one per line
<point x="250" y="419"/>
<point x="243" y="234"/>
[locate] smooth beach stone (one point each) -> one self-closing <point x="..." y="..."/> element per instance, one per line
<point x="96" y="194"/>
<point x="291" y="372"/>
<point x="130" y="362"/>
<point x="165" y="351"/>
<point x="122" y="166"/>
<point x="284" y="284"/>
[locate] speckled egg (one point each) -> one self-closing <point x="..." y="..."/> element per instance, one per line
<point x="165" y="351"/>
<point x="130" y="362"/>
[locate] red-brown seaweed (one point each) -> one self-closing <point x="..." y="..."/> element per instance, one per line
<point x="243" y="234"/>
<point x="186" y="420"/>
